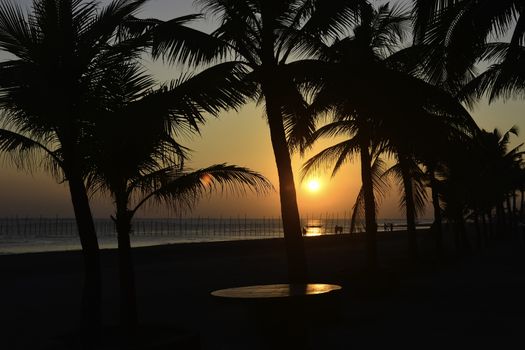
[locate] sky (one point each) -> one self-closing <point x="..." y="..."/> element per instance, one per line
<point x="240" y="138"/>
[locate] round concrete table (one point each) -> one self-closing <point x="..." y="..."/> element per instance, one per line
<point x="267" y="291"/>
<point x="282" y="313"/>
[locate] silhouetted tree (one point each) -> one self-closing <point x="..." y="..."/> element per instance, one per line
<point x="55" y="85"/>
<point x="436" y="154"/>
<point x="457" y="32"/>
<point x="368" y="67"/>
<point x="414" y="197"/>
<point x="376" y="36"/>
<point x="460" y="34"/>
<point x="145" y="164"/>
<point x="265" y="37"/>
<point x="59" y="51"/>
<point x="487" y="163"/>
<point x="360" y="142"/>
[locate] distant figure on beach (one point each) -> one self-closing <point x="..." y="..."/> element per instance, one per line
<point x="338" y="229"/>
<point x="304" y="231"/>
<point x="385" y="227"/>
<point x="391" y="227"/>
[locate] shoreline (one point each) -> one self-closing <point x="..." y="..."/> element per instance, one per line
<point x="10" y="245"/>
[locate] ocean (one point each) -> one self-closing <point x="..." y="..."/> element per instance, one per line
<point x="28" y="235"/>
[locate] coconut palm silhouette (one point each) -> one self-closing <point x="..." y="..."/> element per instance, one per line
<point x="368" y="67"/>
<point x="144" y="164"/>
<point x="47" y="97"/>
<point x="267" y="39"/>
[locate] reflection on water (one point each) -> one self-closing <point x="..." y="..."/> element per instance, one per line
<point x="328" y="226"/>
<point x="313" y="231"/>
<point x="313" y="227"/>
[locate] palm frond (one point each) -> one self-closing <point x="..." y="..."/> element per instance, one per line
<point x="331" y="19"/>
<point x="299" y="123"/>
<point x="425" y="13"/>
<point x="133" y="26"/>
<point x="380" y="187"/>
<point x="332" y="157"/>
<point x="420" y="195"/>
<point x="420" y="192"/>
<point x="455" y="45"/>
<point x="183" y="189"/>
<point x="504" y="79"/>
<point x="337" y="128"/>
<point x="175" y="42"/>
<point x="358" y="212"/>
<point x="309" y="25"/>
<point x="240" y="26"/>
<point x="213" y="90"/>
<point x="390" y="29"/>
<point x="16" y="36"/>
<point x="26" y="153"/>
<point x="518" y="35"/>
<point x="111" y="16"/>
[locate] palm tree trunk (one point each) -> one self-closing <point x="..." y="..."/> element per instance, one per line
<point x="370" y="206"/>
<point x="490" y="224"/>
<point x="500" y="218"/>
<point x="457" y="234"/>
<point x="437" y="227"/>
<point x="514" y="204"/>
<point x="522" y="201"/>
<point x="485" y="228"/>
<point x="128" y="300"/>
<point x="510" y="217"/>
<point x="297" y="267"/>
<point x="91" y="294"/>
<point x="513" y="214"/>
<point x="410" y="208"/>
<point x="459" y="228"/>
<point x="477" y="227"/>
<point x="464" y="240"/>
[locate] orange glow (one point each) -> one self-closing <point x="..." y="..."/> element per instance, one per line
<point x="206" y="179"/>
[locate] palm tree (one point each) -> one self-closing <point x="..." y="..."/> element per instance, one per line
<point x="47" y="96"/>
<point x="499" y="166"/>
<point x="267" y="38"/>
<point x="145" y="164"/>
<point x="360" y="142"/>
<point x="503" y="79"/>
<point x="436" y="155"/>
<point x="54" y="86"/>
<point x="368" y="67"/>
<point x="409" y="175"/>
<point x="486" y="162"/>
<point x="378" y="35"/>
<point x="459" y="33"/>
<point x="168" y="185"/>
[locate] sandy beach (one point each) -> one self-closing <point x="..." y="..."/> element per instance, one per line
<point x="471" y="299"/>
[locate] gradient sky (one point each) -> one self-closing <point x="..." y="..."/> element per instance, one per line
<point x="240" y="138"/>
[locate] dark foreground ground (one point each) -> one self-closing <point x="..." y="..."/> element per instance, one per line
<point x="473" y="299"/>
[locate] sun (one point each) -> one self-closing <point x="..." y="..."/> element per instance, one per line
<point x="313" y="185"/>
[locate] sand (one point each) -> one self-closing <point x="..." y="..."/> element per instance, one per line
<point x="470" y="299"/>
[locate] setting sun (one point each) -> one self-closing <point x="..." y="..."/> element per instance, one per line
<point x="313" y="185"/>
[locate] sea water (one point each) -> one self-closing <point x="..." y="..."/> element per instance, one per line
<point x="27" y="235"/>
